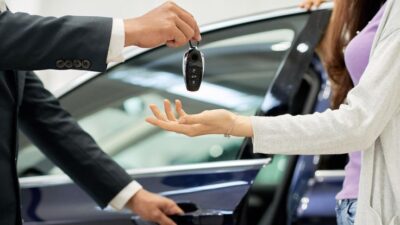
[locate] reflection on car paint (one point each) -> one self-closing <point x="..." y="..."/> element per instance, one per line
<point x="172" y="83"/>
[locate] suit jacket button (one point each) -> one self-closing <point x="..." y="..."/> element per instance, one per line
<point x="77" y="63"/>
<point x="68" y="64"/>
<point x="86" y="64"/>
<point x="60" y="64"/>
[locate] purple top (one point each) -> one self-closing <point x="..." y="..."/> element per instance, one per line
<point x="356" y="57"/>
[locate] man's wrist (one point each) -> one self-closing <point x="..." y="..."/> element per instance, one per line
<point x="125" y="195"/>
<point x="133" y="198"/>
<point x="131" y="31"/>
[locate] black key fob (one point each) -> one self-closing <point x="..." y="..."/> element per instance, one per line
<point x="193" y="67"/>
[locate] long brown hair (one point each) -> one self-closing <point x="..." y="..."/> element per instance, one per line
<point x="348" y="17"/>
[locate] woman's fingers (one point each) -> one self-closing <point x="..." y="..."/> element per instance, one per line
<point x="162" y="124"/>
<point x="318" y="3"/>
<point x="169" y="114"/>
<point x="192" y="119"/>
<point x="304" y="4"/>
<point x="168" y="110"/>
<point x="179" y="108"/>
<point x="157" y="113"/>
<point x="190" y="125"/>
<point x="189" y="130"/>
<point x="308" y="4"/>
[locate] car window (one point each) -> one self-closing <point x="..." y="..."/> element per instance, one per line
<point x="240" y="65"/>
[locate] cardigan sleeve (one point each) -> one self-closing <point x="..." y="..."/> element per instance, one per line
<point x="354" y="126"/>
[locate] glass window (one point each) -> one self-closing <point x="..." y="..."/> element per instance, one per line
<point x="240" y="65"/>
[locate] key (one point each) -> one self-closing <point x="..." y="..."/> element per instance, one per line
<point x="193" y="67"/>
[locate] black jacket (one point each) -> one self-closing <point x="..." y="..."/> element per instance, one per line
<point x="33" y="42"/>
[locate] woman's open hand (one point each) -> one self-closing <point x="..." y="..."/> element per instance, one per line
<point x="217" y="121"/>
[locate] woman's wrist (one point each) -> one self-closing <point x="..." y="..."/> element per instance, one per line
<point x="242" y="127"/>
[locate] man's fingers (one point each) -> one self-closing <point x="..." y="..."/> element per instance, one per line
<point x="157" y="113"/>
<point x="179" y="108"/>
<point x="182" y="12"/>
<point x="171" y="208"/>
<point x="177" y="39"/>
<point x="159" y="217"/>
<point x="189" y="19"/>
<point x="175" y="210"/>
<point x="168" y="110"/>
<point x="185" y="28"/>
<point x="162" y="219"/>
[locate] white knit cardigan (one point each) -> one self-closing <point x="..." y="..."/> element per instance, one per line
<point x="370" y="121"/>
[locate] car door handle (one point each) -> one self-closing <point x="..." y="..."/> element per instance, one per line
<point x="192" y="216"/>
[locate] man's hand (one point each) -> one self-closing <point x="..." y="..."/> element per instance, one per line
<point x="153" y="207"/>
<point x="168" y="24"/>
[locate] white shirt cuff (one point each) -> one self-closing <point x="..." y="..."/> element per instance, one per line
<point x="117" y="41"/>
<point x="2" y="6"/>
<point x="120" y="200"/>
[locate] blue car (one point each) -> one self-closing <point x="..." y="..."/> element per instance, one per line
<point x="261" y="64"/>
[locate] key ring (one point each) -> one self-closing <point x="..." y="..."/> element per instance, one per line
<point x="191" y="45"/>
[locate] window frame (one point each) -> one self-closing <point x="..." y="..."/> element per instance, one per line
<point x="250" y="23"/>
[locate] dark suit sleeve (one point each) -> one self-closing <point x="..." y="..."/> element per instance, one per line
<point x="30" y="42"/>
<point x="61" y="139"/>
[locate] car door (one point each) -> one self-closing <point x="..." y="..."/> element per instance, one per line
<point x="207" y="175"/>
<point x="316" y="178"/>
<point x="300" y="87"/>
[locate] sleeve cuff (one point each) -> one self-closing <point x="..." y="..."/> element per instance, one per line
<point x="255" y="139"/>
<point x="117" y="42"/>
<point x="120" y="200"/>
<point x="2" y="7"/>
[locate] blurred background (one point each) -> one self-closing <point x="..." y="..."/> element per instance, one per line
<point x="206" y="11"/>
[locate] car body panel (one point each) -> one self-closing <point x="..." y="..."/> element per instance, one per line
<point x="317" y="205"/>
<point x="226" y="181"/>
<point x="312" y="194"/>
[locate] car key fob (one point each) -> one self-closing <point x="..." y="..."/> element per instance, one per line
<point x="193" y="67"/>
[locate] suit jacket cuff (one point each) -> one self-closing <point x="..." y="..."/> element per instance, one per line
<point x="117" y="41"/>
<point x="120" y="200"/>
